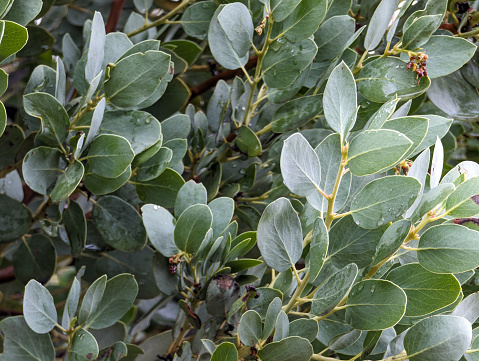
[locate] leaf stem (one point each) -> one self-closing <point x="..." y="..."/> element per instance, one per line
<point x="358" y="67"/>
<point x="161" y="20"/>
<point x="297" y="293"/>
<point x="250" y="107"/>
<point x="330" y="213"/>
<point x="318" y="357"/>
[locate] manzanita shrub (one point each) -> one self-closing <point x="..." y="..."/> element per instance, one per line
<point x="275" y="180"/>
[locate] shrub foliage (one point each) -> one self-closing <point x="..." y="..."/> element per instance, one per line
<point x="217" y="180"/>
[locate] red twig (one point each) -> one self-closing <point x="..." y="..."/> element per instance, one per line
<point x="116" y="8"/>
<point x="6" y="274"/>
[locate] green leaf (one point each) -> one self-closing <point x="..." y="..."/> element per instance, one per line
<point x="138" y="265"/>
<point x="468" y="308"/>
<point x="333" y="290"/>
<point x="177" y="126"/>
<point x="179" y="148"/>
<point x="101" y="185"/>
<point x="281" y="329"/>
<point x="141" y="129"/>
<point x="160" y="227"/>
<point x="54" y="118"/>
<point x="191" y="227"/>
<point x="384" y="199"/>
<point x="438" y="128"/>
<point x="155" y="165"/>
<point x="304" y="20"/>
<point x="220" y="45"/>
<point x="373" y="151"/>
<point x="217" y="105"/>
<point x="38" y="308"/>
<point x="12" y="186"/>
<point x="67" y="182"/>
<point x="248" y="142"/>
<point x="448" y="248"/>
<point x="241" y="244"/>
<point x="161" y="190"/>
<point x="344" y="340"/>
<point x="3" y="118"/>
<point x="295" y="113"/>
<point x="83" y="346"/>
<point x="464" y="201"/>
<point x="375" y="305"/>
<point x="391" y="240"/>
<point x="382" y="114"/>
<point x="185" y="49"/>
<point x="280" y="9"/>
<point x="236" y="23"/>
<point x="274" y="309"/>
<point x="222" y="209"/>
<point x="14" y="39"/>
<point x="143" y="5"/>
<point x="285" y="61"/>
<point x="318" y="247"/>
<point x="420" y="31"/>
<point x="283" y="282"/>
<point x="120" y="293"/>
<point x="385" y="78"/>
<point x="242" y="264"/>
<point x="109" y="155"/>
<point x="300" y="166"/>
<point x="350" y="243"/>
<point x="71" y="304"/>
<point x="379" y="23"/>
<point x="340" y="104"/>
<point x="250" y="328"/>
<point x="71" y="53"/>
<point x="279" y="235"/>
<point x="126" y="88"/>
<point x="329" y="154"/>
<point x="38" y="347"/>
<point x="76" y="228"/>
<point x="96" y="120"/>
<point x="266" y="296"/>
<point x="96" y="48"/>
<point x="36" y="259"/>
<point x="15" y="219"/>
<point x="292" y="348"/>
<point x="119" y="224"/>
<point x="415" y="128"/>
<point x="190" y="193"/>
<point x="446" y="54"/>
<point x="333" y="35"/>
<point x="41" y="168"/>
<point x="305" y="328"/>
<point x="226" y="351"/>
<point x="3" y="82"/>
<point x="438" y="338"/>
<point x="426" y="291"/>
<point x="197" y="17"/>
<point x="5" y="6"/>
<point x="92" y="299"/>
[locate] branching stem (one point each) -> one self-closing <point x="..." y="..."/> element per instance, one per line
<point x="161" y="20"/>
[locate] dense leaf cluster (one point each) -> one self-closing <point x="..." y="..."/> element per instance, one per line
<point x="236" y="180"/>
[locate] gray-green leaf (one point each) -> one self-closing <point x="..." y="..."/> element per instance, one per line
<point x="279" y="235"/>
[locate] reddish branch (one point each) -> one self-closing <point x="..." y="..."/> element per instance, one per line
<point x="115" y="12"/>
<point x="449" y="26"/>
<point x="6" y="274"/>
<point x="225" y="75"/>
